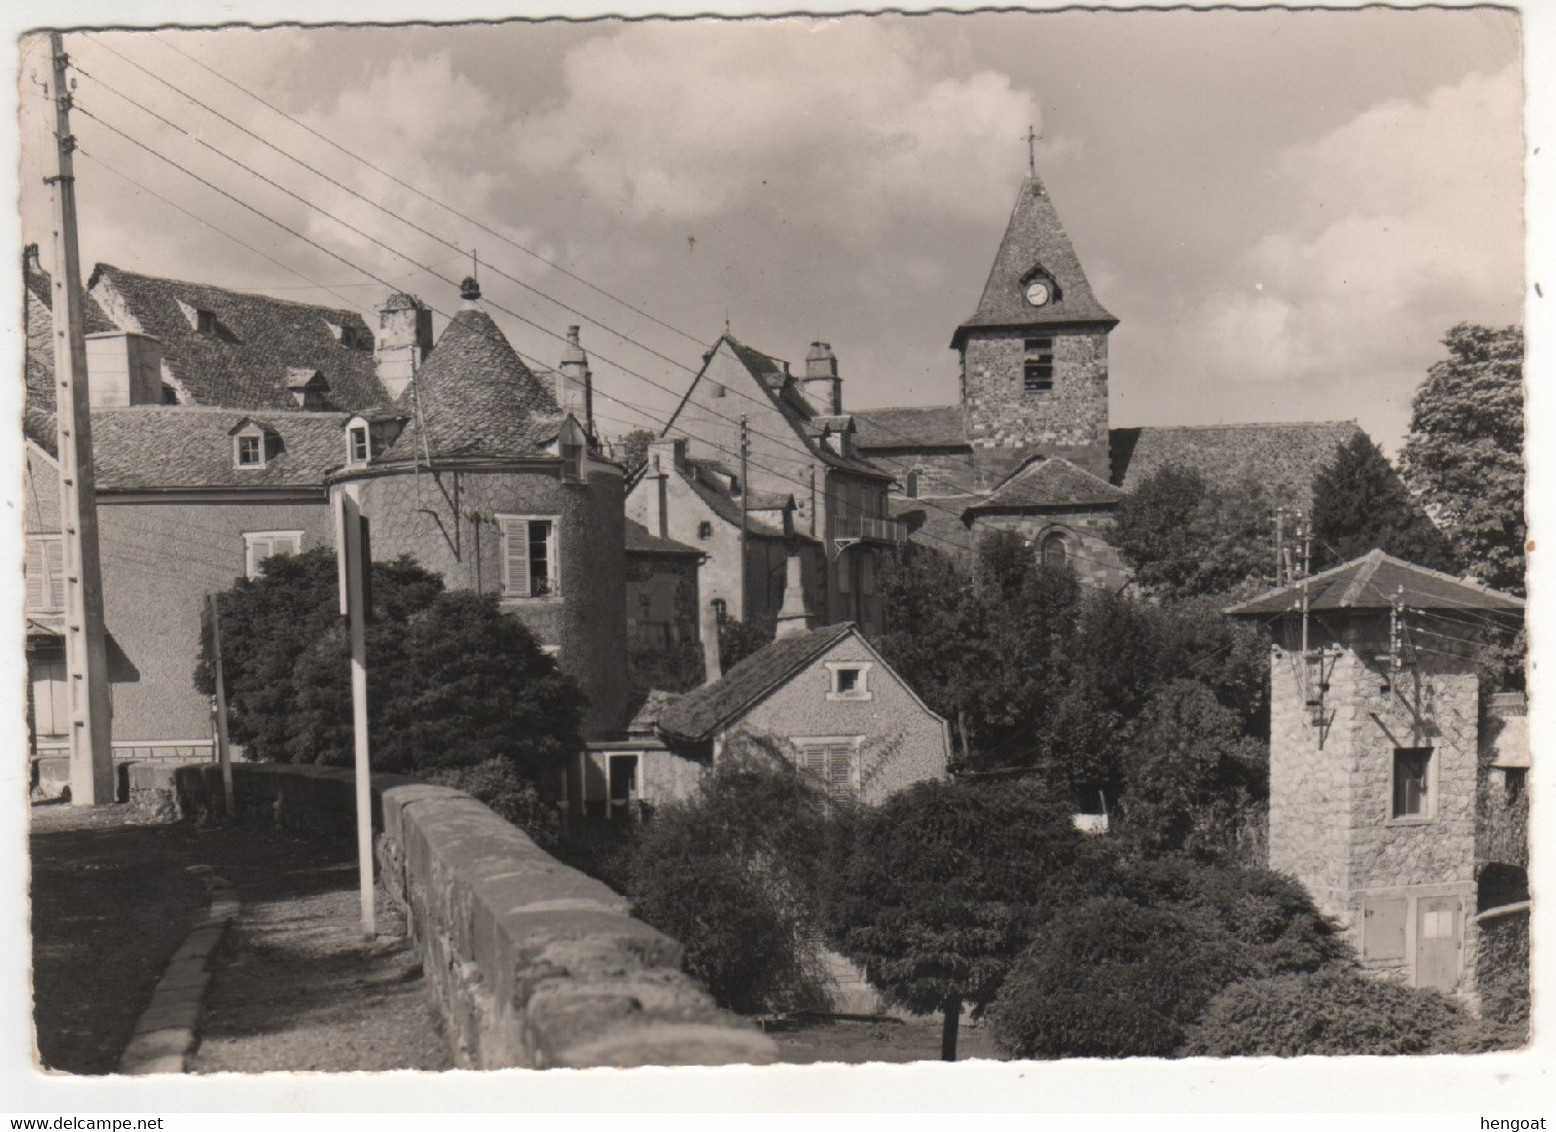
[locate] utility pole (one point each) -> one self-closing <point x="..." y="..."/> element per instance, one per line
<point x="354" y="559"/>
<point x="1279" y="522"/>
<point x="86" y="652"/>
<point x="745" y="512"/>
<point x="223" y="751"/>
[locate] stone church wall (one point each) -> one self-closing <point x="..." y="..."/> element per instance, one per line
<point x="1074" y="414"/>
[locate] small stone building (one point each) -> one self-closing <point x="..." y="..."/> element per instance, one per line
<point x="1374" y="736"/>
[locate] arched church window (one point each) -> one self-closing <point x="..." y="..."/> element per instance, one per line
<point x="1055" y="551"/>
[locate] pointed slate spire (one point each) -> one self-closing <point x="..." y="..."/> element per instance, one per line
<point x="1035" y="246"/>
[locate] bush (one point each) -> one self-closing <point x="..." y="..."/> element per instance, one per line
<point x="1502" y="975"/>
<point x="732" y="874"/>
<point x="1127" y="973"/>
<point x="498" y="785"/>
<point x="1113" y="979"/>
<point x="1326" y="1012"/>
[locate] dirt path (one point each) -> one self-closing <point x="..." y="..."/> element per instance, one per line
<point x="293" y="986"/>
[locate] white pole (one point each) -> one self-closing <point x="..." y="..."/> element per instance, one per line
<point x="86" y="652"/>
<point x="352" y="559"/>
<point x="223" y="752"/>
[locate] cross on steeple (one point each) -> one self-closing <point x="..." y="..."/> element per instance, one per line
<point x="1032" y="139"/>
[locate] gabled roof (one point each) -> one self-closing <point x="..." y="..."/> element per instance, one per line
<point x="1371" y="582"/>
<point x="724" y="505"/>
<point x="935" y="426"/>
<point x="697" y="715"/>
<point x="258" y="341"/>
<point x="1281" y="457"/>
<point x="773" y="377"/>
<point x="1034" y="241"/>
<point x="1050" y="482"/>
<point x="184" y="446"/>
<point x="474" y="398"/>
<point x="639" y="541"/>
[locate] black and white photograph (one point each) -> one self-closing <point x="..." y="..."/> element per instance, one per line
<point x="793" y="543"/>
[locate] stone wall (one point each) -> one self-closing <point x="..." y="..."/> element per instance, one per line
<point x="1074" y="413"/>
<point x="531" y="963"/>
<point x="1085" y="532"/>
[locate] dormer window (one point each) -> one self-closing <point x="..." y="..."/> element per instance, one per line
<point x="573" y="448"/>
<point x="308" y="388"/>
<point x="205" y="322"/>
<point x="360" y="450"/>
<point x="249" y="449"/>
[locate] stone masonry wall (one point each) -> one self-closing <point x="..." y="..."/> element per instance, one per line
<point x="1000" y="413"/>
<point x="531" y="963"/>
<point x="1090" y="554"/>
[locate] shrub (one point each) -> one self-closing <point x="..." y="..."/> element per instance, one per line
<point x="1502" y="975"/>
<point x="732" y="873"/>
<point x="498" y="785"/>
<point x="1113" y="979"/>
<point x="1331" y="1011"/>
<point x="1127" y="973"/>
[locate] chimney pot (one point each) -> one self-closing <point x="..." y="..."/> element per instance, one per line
<point x="469" y="289"/>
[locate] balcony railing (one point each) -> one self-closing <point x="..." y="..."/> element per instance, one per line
<point x="868" y="528"/>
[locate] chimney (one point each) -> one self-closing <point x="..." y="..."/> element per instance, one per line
<point x="822" y="387"/>
<point x="793" y="616"/>
<point x="469" y="292"/>
<point x="575" y="382"/>
<point x="404" y="339"/>
<point x="125" y="368"/>
<point x="31" y="263"/>
<point x="712" y="666"/>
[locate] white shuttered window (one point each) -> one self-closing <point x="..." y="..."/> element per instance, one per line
<point x="827" y="763"/>
<point x="260" y="545"/>
<point x="529" y="556"/>
<point x="45" y="570"/>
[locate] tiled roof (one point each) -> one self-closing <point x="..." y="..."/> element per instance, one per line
<point x="770" y="375"/>
<point x="770" y="501"/>
<point x="156" y="446"/>
<point x="258" y="339"/>
<point x="1371" y="583"/>
<point x="724" y="505"/>
<point x="935" y="426"/>
<point x="639" y="541"/>
<point x="936" y="523"/>
<point x="695" y="716"/>
<point x="1282" y="457"/>
<point x="1034" y="240"/>
<point x="475" y="398"/>
<point x="39" y="365"/>
<point x="1052" y="482"/>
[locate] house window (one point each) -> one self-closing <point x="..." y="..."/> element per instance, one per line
<point x="169" y="395"/>
<point x="360" y="450"/>
<point x="720" y="609"/>
<point x="251" y="451"/>
<point x="260" y="545"/>
<point x="1055" y="552"/>
<point x="912" y="485"/>
<point x="1515" y="778"/>
<point x="1038" y="372"/>
<point x="1412" y="782"/>
<point x="705" y="530"/>
<point x="572" y="462"/>
<point x="827" y="764"/>
<point x="718" y="390"/>
<point x="529" y="556"/>
<point x="205" y="322"/>
<point x="850" y="680"/>
<point x="45" y="572"/>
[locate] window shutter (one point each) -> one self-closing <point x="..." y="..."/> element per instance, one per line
<point x="840" y="777"/>
<point x="37" y="586"/>
<point x="54" y="572"/>
<point x="515" y="545"/>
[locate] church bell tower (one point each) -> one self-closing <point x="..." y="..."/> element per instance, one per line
<point x="1034" y="355"/>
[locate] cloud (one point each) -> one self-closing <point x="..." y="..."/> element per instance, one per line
<point x="853" y="120"/>
<point x="1395" y="226"/>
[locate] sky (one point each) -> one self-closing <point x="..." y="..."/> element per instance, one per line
<point x="1285" y="210"/>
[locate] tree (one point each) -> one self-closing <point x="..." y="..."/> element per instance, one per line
<point x="733" y="874"/>
<point x="1464" y="455"/>
<point x="739" y="639"/>
<point x="632" y="449"/>
<point x="452" y="680"/>
<point x="1190" y="774"/>
<point x="1361" y="504"/>
<point x="1183" y="538"/>
<point x="941" y="886"/>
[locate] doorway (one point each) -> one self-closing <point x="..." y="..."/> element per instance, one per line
<point x="1439" y="940"/>
<point x="623" y="785"/>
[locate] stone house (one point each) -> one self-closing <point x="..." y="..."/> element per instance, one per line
<point x="1374" y="742"/>
<point x="698" y="501"/>
<point x="801" y="444"/>
<point x="663" y="611"/>
<point x="1033" y="386"/>
<point x="476" y="472"/>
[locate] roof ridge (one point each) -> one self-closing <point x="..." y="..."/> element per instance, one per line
<point x="225" y="290"/>
<point x="1237" y="424"/>
<point x="212" y="410"/>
